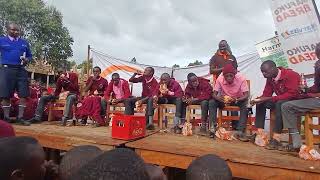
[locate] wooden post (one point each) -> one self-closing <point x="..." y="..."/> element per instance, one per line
<point x="88" y="61"/>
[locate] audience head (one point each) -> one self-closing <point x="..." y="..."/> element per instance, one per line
<point x="6" y="130"/>
<point x="193" y="80"/>
<point x="208" y="167"/>
<point x="96" y="71"/>
<point x="317" y="50"/>
<point x="21" y="158"/>
<point x="13" y="30"/>
<point x="116" y="164"/>
<point x="165" y="78"/>
<point x="229" y="73"/>
<point x="148" y="71"/>
<point x="115" y="78"/>
<point x="269" y="69"/>
<point x="77" y="157"/>
<point x="155" y="172"/>
<point x="61" y="70"/>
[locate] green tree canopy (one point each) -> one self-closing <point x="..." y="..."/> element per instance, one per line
<point x="42" y="26"/>
<point x="195" y="63"/>
<point x="176" y="66"/>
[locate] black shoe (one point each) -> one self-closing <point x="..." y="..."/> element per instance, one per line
<point x="22" y="122"/>
<point x="273" y="144"/>
<point x="252" y="138"/>
<point x="212" y="133"/>
<point x="241" y="136"/>
<point x="64" y="121"/>
<point x="177" y="130"/>
<point x="203" y="131"/>
<point x="150" y="127"/>
<point x="35" y="120"/>
<point x="8" y="120"/>
<point x="83" y="122"/>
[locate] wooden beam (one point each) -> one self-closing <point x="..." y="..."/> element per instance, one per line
<point x="240" y="170"/>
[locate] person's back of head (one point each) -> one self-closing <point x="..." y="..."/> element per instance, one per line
<point x="117" y="164"/>
<point x="155" y="172"/>
<point x="208" y="167"/>
<point x="21" y="158"/>
<point x="76" y="158"/>
<point x="6" y="130"/>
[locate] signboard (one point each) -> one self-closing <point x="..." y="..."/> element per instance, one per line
<point x="270" y="49"/>
<point x="298" y="27"/>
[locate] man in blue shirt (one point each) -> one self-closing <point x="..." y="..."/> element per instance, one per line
<point x="15" y="54"/>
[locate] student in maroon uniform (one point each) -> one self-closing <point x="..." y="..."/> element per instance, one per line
<point x="150" y="88"/>
<point x="93" y="105"/>
<point x="171" y="93"/>
<point x="199" y="91"/>
<point x="67" y="82"/>
<point x="118" y="91"/>
<point x="285" y="84"/>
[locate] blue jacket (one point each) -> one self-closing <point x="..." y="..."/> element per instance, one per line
<point x="12" y="50"/>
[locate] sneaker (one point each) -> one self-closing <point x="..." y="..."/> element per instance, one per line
<point x="34" y="120"/>
<point x="96" y="125"/>
<point x="150" y="127"/>
<point x="241" y="136"/>
<point x="83" y="122"/>
<point x="64" y="121"/>
<point x="22" y="122"/>
<point x="273" y="144"/>
<point x="177" y="130"/>
<point x="203" y="131"/>
<point x="8" y="120"/>
<point x="212" y="133"/>
<point x="289" y="148"/>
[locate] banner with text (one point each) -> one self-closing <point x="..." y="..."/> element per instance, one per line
<point x="298" y="26"/>
<point x="270" y="49"/>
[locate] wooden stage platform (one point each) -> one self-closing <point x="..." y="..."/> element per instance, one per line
<point x="245" y="159"/>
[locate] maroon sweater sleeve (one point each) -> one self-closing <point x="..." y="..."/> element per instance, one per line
<point x="108" y="91"/>
<point x="155" y="88"/>
<point x="136" y="80"/>
<point x="268" y="89"/>
<point x="206" y="91"/>
<point x="292" y="85"/>
<point x="176" y="88"/>
<point x="58" y="87"/>
<point x="74" y="85"/>
<point x="126" y="89"/>
<point x="187" y="92"/>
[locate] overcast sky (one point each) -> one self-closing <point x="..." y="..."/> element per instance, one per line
<point x="165" y="32"/>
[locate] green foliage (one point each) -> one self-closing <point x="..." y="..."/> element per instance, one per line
<point x="176" y="66"/>
<point x="84" y="65"/>
<point x="42" y="26"/>
<point x="195" y="63"/>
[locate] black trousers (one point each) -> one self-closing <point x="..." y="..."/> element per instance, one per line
<point x="204" y="109"/>
<point x="214" y="105"/>
<point x="180" y="109"/>
<point x="130" y="105"/>
<point x="261" y="114"/>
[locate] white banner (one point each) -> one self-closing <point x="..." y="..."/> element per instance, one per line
<point x="298" y="28"/>
<point x="270" y="49"/>
<point x="248" y="65"/>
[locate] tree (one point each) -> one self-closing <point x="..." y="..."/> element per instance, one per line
<point x="84" y="65"/>
<point x="176" y="66"/>
<point x="196" y="63"/>
<point x="42" y="26"/>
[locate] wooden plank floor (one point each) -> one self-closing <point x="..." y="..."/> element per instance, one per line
<point x="245" y="159"/>
<point x="64" y="138"/>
